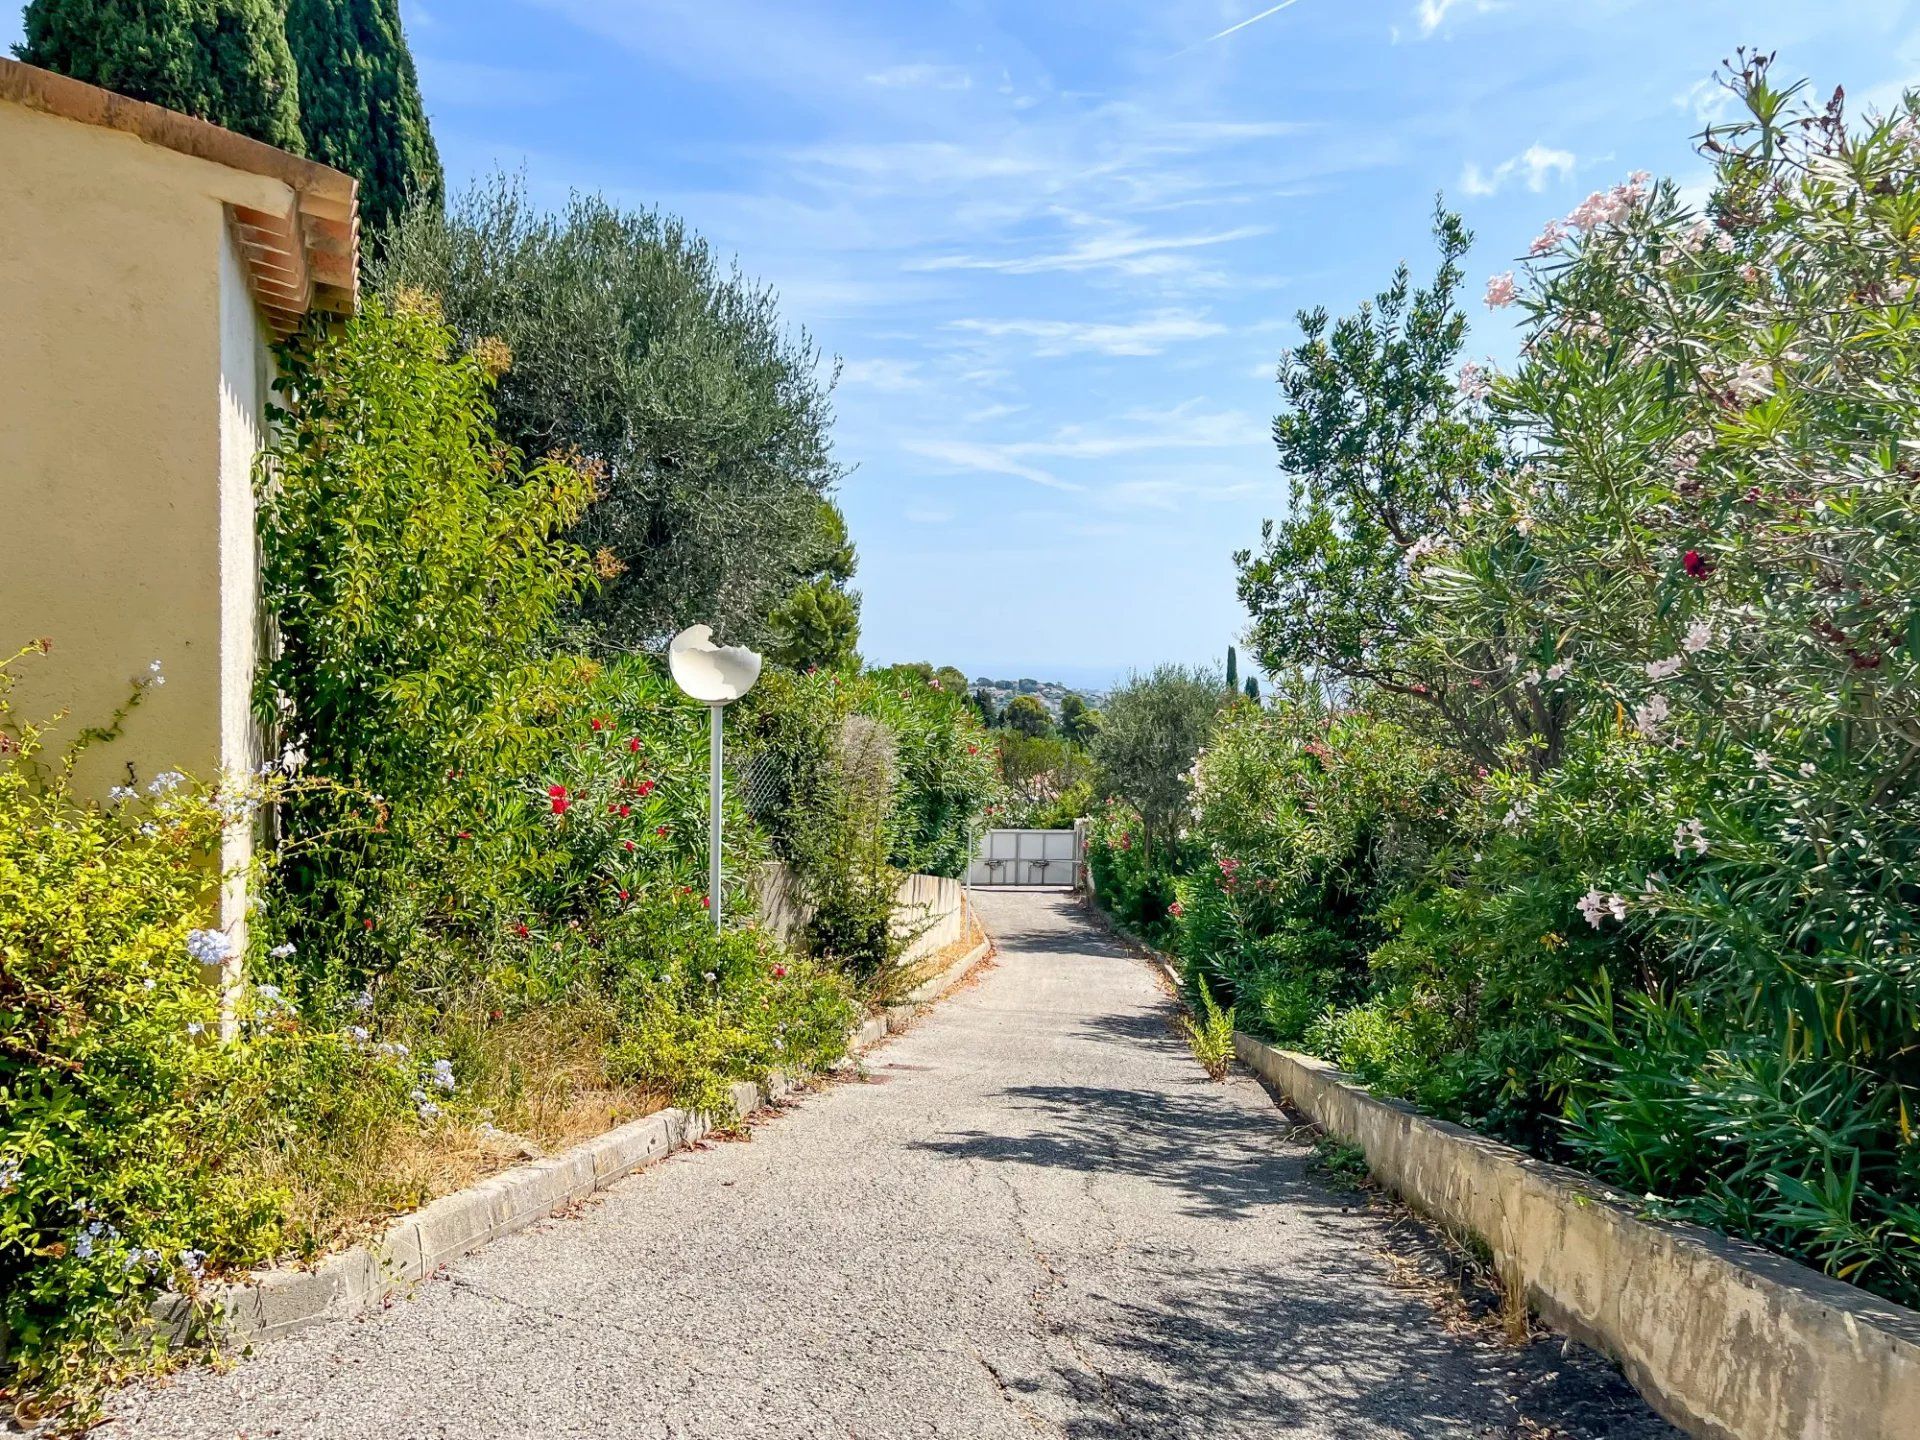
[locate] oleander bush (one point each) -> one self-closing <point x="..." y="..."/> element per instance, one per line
<point x="1597" y="827"/>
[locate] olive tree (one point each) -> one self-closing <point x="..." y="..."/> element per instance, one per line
<point x="629" y="341"/>
<point x="1150" y="732"/>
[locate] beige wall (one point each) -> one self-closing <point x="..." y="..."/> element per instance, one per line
<point x="132" y="373"/>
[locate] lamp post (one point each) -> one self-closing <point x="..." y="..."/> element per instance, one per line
<point x="716" y="676"/>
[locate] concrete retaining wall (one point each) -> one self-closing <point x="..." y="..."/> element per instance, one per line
<point x="929" y="908"/>
<point x="1727" y="1340"/>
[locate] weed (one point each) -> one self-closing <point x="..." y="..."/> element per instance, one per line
<point x="1210" y="1033"/>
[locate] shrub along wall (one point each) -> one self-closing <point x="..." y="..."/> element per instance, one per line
<point x="1599" y="831"/>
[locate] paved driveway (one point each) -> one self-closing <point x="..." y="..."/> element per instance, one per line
<point x="1034" y="1218"/>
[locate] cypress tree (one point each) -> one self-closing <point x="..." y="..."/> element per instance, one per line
<point x="223" y="60"/>
<point x="360" y="105"/>
<point x="1233" y="668"/>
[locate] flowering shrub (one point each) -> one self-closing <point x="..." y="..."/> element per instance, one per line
<point x="1662" y="644"/>
<point x="123" y="1126"/>
<point x="1136" y="885"/>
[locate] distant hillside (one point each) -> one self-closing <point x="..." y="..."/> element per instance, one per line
<point x="1049" y="692"/>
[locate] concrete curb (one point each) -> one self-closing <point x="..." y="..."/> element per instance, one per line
<point x="274" y="1303"/>
<point x="1727" y="1340"/>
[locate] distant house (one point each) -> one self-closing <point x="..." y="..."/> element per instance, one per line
<point x="147" y="262"/>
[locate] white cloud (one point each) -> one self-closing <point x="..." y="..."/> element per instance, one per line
<point x="922" y="77"/>
<point x="991" y="459"/>
<point x="991" y="412"/>
<point x="1123" y="248"/>
<point x="1147" y="336"/>
<point x="1534" y="165"/>
<point x="892" y="376"/>
<point x="1432" y="14"/>
<point x="1183" y="427"/>
<point x="1706" y="100"/>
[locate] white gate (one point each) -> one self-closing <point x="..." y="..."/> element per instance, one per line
<point x="1027" y="857"/>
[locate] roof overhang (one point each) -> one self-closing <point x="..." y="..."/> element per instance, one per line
<point x="301" y="257"/>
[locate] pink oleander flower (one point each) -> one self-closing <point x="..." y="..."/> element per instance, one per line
<point x="1501" y="291"/>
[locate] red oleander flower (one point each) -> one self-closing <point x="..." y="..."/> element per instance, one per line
<point x="521" y="930"/>
<point x="644" y="789"/>
<point x="625" y="810"/>
<point x="1176" y="910"/>
<point x="1696" y="565"/>
<point x="594" y="722"/>
<point x="367" y="924"/>
<point x="557" y="798"/>
<point x="629" y="844"/>
<point x="662" y="832"/>
<point x="705" y="903"/>
<point x="633" y="745"/>
<point x="623" y="894"/>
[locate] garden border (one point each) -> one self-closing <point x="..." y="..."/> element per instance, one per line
<point x="1725" y="1339"/>
<point x="271" y="1304"/>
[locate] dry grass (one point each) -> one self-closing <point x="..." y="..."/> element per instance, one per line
<point x="540" y="1085"/>
<point x="902" y="980"/>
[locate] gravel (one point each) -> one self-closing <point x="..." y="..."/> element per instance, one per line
<point x="1031" y="1216"/>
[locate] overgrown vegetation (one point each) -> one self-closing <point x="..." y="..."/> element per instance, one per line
<point x="1593" y="821"/>
<point x="860" y="780"/>
<point x="482" y="927"/>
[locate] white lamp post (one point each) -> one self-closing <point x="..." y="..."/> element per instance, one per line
<point x="716" y="676"/>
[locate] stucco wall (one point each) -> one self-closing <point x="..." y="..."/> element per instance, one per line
<point x="132" y="370"/>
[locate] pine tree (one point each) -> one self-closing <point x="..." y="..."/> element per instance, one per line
<point x="223" y="60"/>
<point x="360" y="105"/>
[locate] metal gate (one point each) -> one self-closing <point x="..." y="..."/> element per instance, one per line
<point x="1027" y="857"/>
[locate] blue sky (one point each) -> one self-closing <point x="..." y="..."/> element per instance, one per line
<point x="1057" y="244"/>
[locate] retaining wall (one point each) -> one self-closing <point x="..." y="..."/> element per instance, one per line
<point x="1727" y="1340"/>
<point x="930" y="908"/>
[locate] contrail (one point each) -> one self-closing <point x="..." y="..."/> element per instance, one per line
<point x="1250" y="20"/>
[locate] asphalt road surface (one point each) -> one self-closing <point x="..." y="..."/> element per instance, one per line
<point x="1033" y="1216"/>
